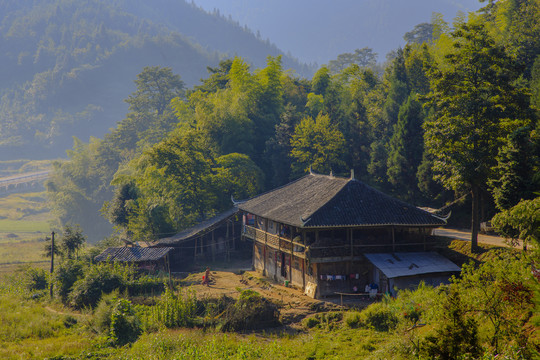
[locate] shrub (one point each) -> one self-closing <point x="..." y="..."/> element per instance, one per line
<point x="311" y="322"/>
<point x="102" y="314"/>
<point x="457" y="335"/>
<point x="327" y="320"/>
<point x="211" y="309"/>
<point x="125" y="326"/>
<point x="251" y="311"/>
<point x="145" y="285"/>
<point x="35" y="279"/>
<point x="88" y="290"/>
<point x="380" y="317"/>
<point x="353" y="319"/>
<point x="172" y="310"/>
<point x="65" y="276"/>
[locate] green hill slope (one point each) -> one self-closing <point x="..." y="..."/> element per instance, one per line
<point x="66" y="65"/>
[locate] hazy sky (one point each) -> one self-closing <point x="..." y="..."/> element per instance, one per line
<point x="319" y="30"/>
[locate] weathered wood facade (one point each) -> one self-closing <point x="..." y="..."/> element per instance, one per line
<point x="317" y="229"/>
<point x="210" y="240"/>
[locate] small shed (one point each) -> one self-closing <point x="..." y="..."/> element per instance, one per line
<point x="394" y="271"/>
<point x="151" y="259"/>
<point x="209" y="240"/>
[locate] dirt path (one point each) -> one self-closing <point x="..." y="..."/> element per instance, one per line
<point x="74" y="314"/>
<point x="294" y="305"/>
<point x="466" y="235"/>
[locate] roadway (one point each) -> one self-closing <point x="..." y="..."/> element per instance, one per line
<point x="466" y="235"/>
<point x="16" y="182"/>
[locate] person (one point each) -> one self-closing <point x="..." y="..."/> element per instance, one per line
<point x="206" y="277"/>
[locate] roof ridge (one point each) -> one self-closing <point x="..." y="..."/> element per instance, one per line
<point x="329" y="200"/>
<point x="394" y="198"/>
<point x="274" y="189"/>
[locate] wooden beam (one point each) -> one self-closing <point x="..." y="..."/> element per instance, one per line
<point x="393" y="239"/>
<point x="265" y="244"/>
<point x="213" y="247"/>
<point x="233" y="239"/>
<point x="303" y="261"/>
<point x="335" y="259"/>
<point x="290" y="263"/>
<point x="195" y="251"/>
<point x="227" y="241"/>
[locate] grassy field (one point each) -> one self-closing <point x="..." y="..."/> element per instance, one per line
<point x="24" y="224"/>
<point x="34" y="327"/>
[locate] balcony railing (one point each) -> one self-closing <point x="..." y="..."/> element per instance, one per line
<point x="273" y="240"/>
<point x="337" y="247"/>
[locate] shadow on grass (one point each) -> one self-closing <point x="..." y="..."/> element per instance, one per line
<point x="459" y="251"/>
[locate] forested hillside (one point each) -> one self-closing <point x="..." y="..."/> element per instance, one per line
<point x="66" y="66"/>
<point x="454" y="113"/>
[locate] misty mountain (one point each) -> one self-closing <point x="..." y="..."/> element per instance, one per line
<point x="319" y="30"/>
<point x="67" y="65"/>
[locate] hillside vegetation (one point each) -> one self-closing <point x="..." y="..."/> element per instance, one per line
<point x="67" y="65"/>
<point x="491" y="311"/>
<point x="454" y="115"/>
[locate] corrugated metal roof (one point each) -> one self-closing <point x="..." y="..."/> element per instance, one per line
<point x="395" y="265"/>
<point x="327" y="201"/>
<point x="198" y="229"/>
<point x="133" y="254"/>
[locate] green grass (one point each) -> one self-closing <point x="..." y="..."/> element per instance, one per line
<point x="18" y="226"/>
<point x="21" y="252"/>
<point x="24" y="206"/>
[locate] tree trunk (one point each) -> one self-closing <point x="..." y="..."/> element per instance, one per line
<point x="475" y="224"/>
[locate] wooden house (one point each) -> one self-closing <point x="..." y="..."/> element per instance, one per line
<point x="210" y="240"/>
<point x="315" y="233"/>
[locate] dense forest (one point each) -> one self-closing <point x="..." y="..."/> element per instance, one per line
<point x="66" y="66"/>
<point x="454" y="112"/>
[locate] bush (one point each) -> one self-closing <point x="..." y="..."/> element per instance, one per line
<point x="65" y="276"/>
<point x="102" y="314"/>
<point x="251" y="311"/>
<point x="125" y="326"/>
<point x="173" y="310"/>
<point x="380" y="317"/>
<point x="353" y="319"/>
<point x="211" y="309"/>
<point x="88" y="290"/>
<point x="311" y="322"/>
<point x="145" y="285"/>
<point x="35" y="279"/>
<point x="328" y="320"/>
<point x="457" y="334"/>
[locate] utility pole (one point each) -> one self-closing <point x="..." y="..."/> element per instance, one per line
<point x="52" y="263"/>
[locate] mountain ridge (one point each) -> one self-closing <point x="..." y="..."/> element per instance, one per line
<point x="67" y="66"/>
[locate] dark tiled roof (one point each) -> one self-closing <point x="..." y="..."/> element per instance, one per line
<point x="198" y="229"/>
<point x="132" y="254"/>
<point x="327" y="201"/>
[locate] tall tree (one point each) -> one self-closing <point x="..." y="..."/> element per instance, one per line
<point x="475" y="106"/>
<point x="420" y="34"/>
<point x="71" y="241"/>
<point x="361" y="57"/>
<point x="516" y="174"/>
<point x="317" y="143"/>
<point x="406" y="149"/>
<point x="151" y="114"/>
